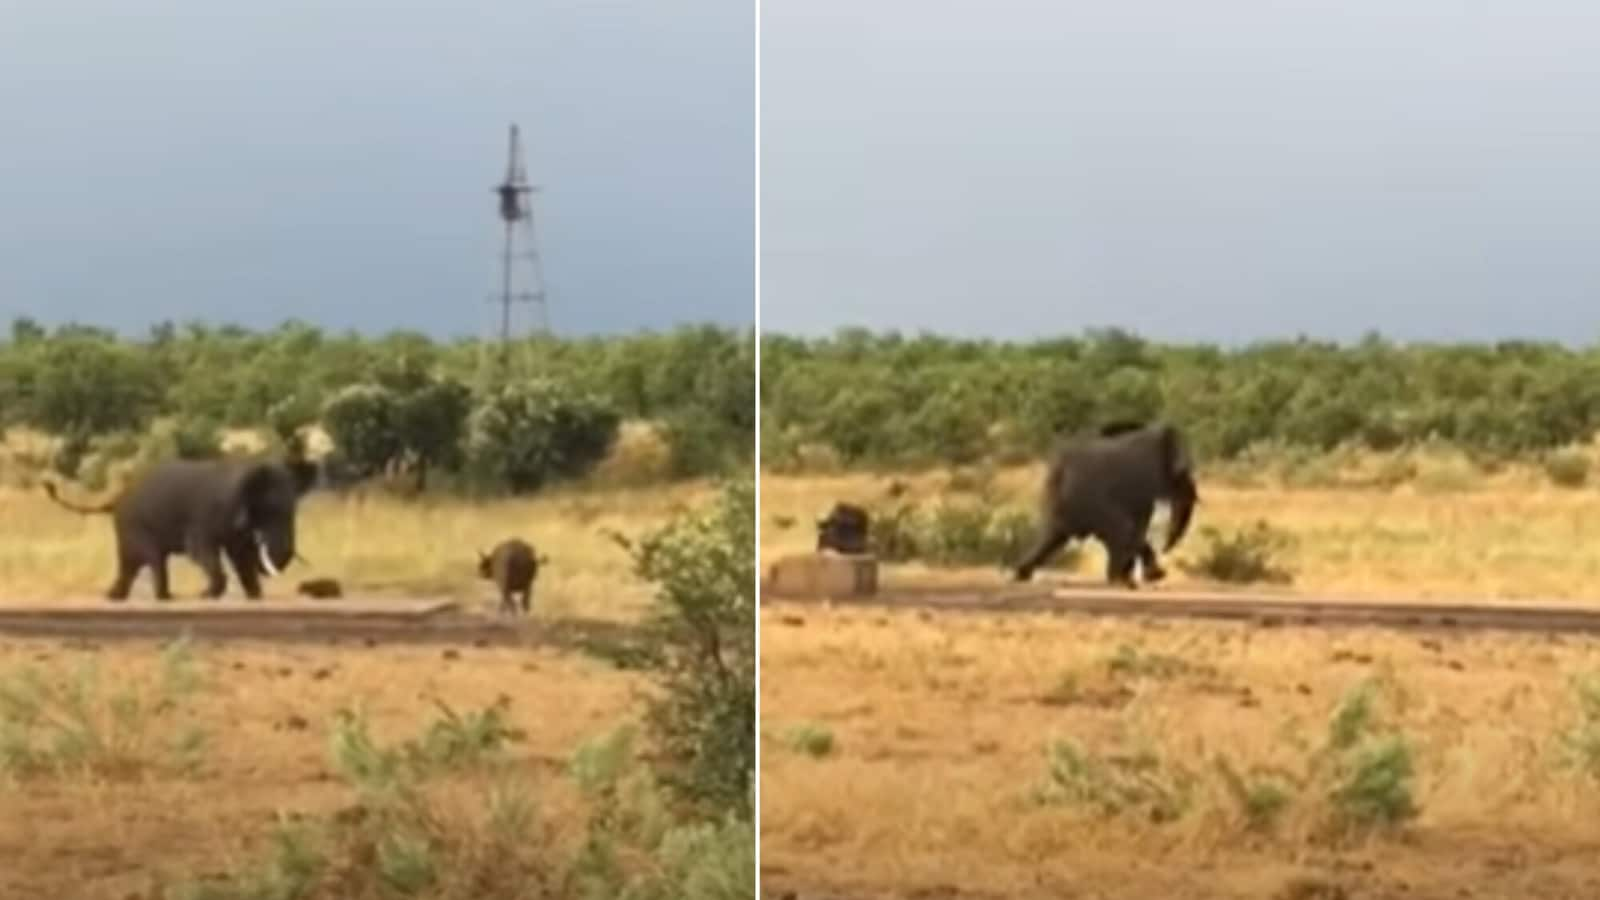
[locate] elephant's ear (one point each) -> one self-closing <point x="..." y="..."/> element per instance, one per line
<point x="1175" y="454"/>
<point x="304" y="474"/>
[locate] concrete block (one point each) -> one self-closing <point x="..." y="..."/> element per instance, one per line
<point x="823" y="575"/>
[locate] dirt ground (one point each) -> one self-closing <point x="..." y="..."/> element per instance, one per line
<point x="940" y="723"/>
<point x="267" y="709"/>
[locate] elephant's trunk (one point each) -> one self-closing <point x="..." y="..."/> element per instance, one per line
<point x="1183" y="500"/>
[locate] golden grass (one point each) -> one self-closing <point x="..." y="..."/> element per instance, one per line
<point x="376" y="545"/>
<point x="941" y="721"/>
<point x="941" y="725"/>
<point x="80" y="838"/>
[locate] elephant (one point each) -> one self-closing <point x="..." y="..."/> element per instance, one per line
<point x="1106" y="485"/>
<point x="844" y="529"/>
<point x="513" y="567"/>
<point x="244" y="509"/>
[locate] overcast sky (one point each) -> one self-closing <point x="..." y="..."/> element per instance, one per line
<point x="174" y="159"/>
<point x="1223" y="170"/>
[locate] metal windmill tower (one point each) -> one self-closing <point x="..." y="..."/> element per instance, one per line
<point x="516" y="213"/>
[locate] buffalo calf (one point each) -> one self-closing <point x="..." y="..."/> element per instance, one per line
<point x="512" y="566"/>
<point x="844" y="529"/>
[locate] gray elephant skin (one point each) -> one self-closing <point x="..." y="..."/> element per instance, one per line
<point x="205" y="509"/>
<point x="1106" y="486"/>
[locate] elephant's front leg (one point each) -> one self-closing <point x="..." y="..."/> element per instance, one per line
<point x="1150" y="564"/>
<point x="208" y="556"/>
<point x="244" y="565"/>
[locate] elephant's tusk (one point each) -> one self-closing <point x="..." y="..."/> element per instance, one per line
<point x="266" y="559"/>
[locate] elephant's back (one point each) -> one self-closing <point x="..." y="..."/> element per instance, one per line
<point x="172" y="489"/>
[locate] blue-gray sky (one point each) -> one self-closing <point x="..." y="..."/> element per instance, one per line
<point x="247" y="163"/>
<point x="1225" y="170"/>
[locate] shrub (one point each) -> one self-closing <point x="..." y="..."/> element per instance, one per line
<point x="1581" y="743"/>
<point x="1141" y="784"/>
<point x="809" y="739"/>
<point x="958" y="533"/>
<point x="1567" y="468"/>
<point x="1243" y="557"/>
<point x="77" y="724"/>
<point x="1359" y="778"/>
<point x="526" y="435"/>
<point x="703" y="569"/>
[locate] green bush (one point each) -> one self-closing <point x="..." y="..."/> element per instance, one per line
<point x="703" y="568"/>
<point x="1567" y="468"/>
<point x="889" y="400"/>
<point x="526" y="435"/>
<point x="810" y="740"/>
<point x="1245" y="556"/>
<point x="1358" y="779"/>
<point x="959" y="532"/>
<point x="410" y="399"/>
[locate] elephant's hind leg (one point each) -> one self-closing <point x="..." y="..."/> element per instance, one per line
<point x="1122" y="542"/>
<point x="128" y="565"/>
<point x="1050" y="540"/>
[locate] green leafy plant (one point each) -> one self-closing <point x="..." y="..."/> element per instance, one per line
<point x="1243" y="556"/>
<point x="77" y="723"/>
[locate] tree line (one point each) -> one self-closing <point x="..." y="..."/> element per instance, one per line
<point x="454" y="409"/>
<point x="885" y="399"/>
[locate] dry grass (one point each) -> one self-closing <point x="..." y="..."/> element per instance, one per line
<point x="940" y="727"/>
<point x="940" y="724"/>
<point x="268" y="710"/>
<point x="376" y="545"/>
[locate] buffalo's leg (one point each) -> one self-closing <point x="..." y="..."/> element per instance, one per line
<point x="508" y="602"/>
<point x="244" y="565"/>
<point x="1050" y="540"/>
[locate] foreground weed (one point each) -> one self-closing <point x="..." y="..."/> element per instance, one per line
<point x="1131" y="661"/>
<point x="1245" y="556"/>
<point x="1581" y="743"/>
<point x="810" y="739"/>
<point x="1140" y="783"/>
<point x="78" y="724"/>
<point x="1358" y="778"/>
<point x="451" y="743"/>
<point x="291" y="871"/>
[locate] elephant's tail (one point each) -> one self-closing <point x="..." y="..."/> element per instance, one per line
<point x="92" y="509"/>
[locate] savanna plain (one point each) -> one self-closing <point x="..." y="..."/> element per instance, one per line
<point x="913" y="753"/>
<point x="572" y="758"/>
